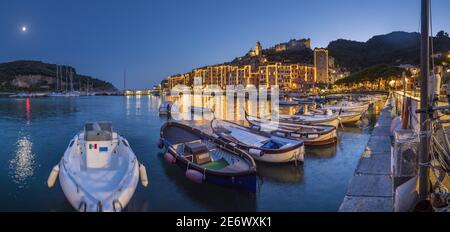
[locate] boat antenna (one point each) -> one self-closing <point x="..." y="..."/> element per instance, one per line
<point x="424" y="158"/>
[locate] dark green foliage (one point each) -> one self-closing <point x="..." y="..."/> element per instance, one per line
<point x="9" y="71"/>
<point x="372" y="74"/>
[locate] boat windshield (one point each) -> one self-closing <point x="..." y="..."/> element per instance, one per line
<point x="99" y="131"/>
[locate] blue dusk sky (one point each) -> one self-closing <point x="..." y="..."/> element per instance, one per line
<point x="155" y="39"/>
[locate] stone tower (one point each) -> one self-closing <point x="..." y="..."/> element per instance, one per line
<point x="258" y="49"/>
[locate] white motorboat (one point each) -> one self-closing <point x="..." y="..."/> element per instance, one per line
<point x="99" y="172"/>
<point x="27" y="95"/>
<point x="261" y="146"/>
<point x="64" y="94"/>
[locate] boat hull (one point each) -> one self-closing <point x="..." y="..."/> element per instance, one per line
<point x="288" y="130"/>
<point x="293" y="153"/>
<point x="353" y="118"/>
<point x="245" y="179"/>
<point x="297" y="155"/>
<point x="84" y="200"/>
<point x="244" y="182"/>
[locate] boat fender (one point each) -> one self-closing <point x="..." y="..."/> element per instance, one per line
<point x="161" y="144"/>
<point x="395" y="124"/>
<point x="255" y="152"/>
<point x="169" y="158"/>
<point x="195" y="176"/>
<point x="329" y="112"/>
<point x="99" y="206"/>
<point x="53" y="176"/>
<point x="118" y="207"/>
<point x="82" y="207"/>
<point x="143" y="175"/>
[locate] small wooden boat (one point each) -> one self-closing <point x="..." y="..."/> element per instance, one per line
<point x="164" y="108"/>
<point x="98" y="172"/>
<point x="288" y="103"/>
<point x="207" y="159"/>
<point x="327" y="118"/>
<point x="261" y="146"/>
<point x="304" y="101"/>
<point x="344" y="117"/>
<point x="310" y="135"/>
<point x="347" y="106"/>
<point x="350" y="117"/>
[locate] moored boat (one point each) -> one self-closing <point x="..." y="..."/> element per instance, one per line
<point x="98" y="172"/>
<point x="350" y="117"/>
<point x="347" y="106"/>
<point x="261" y="146"/>
<point x="310" y="135"/>
<point x="288" y="103"/>
<point x="207" y="159"/>
<point x="327" y="118"/>
<point x="164" y="108"/>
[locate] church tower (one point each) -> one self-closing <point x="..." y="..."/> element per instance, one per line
<point x="258" y="49"/>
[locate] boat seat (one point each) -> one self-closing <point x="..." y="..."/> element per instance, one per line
<point x="198" y="151"/>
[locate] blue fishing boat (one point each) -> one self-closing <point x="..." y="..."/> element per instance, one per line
<point x="206" y="159"/>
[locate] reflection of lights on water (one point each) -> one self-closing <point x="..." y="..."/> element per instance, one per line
<point x="128" y="104"/>
<point x="138" y="104"/>
<point x="23" y="163"/>
<point x="27" y="110"/>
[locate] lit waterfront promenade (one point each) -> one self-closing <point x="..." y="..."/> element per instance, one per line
<point x="371" y="188"/>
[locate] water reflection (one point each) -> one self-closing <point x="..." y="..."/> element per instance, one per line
<point x="27" y="110"/>
<point x="212" y="197"/>
<point x="283" y="173"/>
<point x="324" y="152"/>
<point x="23" y="164"/>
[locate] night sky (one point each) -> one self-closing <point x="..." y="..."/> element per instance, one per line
<point x="155" y="39"/>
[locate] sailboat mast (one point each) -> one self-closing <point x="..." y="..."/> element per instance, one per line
<point x="424" y="157"/>
<point x="67" y="79"/>
<point x="57" y="86"/>
<point x="71" y="80"/>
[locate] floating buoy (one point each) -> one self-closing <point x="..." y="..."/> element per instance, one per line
<point x="53" y="176"/>
<point x="169" y="158"/>
<point x="143" y="175"/>
<point x="118" y="207"/>
<point x="161" y="144"/>
<point x="195" y="176"/>
<point x="82" y="207"/>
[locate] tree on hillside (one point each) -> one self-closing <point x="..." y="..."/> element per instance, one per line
<point x="442" y="34"/>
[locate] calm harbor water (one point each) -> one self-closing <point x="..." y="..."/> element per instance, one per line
<point x="35" y="133"/>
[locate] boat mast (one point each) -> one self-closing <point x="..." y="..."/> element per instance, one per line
<point x="67" y="80"/>
<point x="424" y="157"/>
<point x="57" y="80"/>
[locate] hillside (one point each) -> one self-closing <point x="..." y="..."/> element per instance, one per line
<point x="39" y="76"/>
<point x="392" y="49"/>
